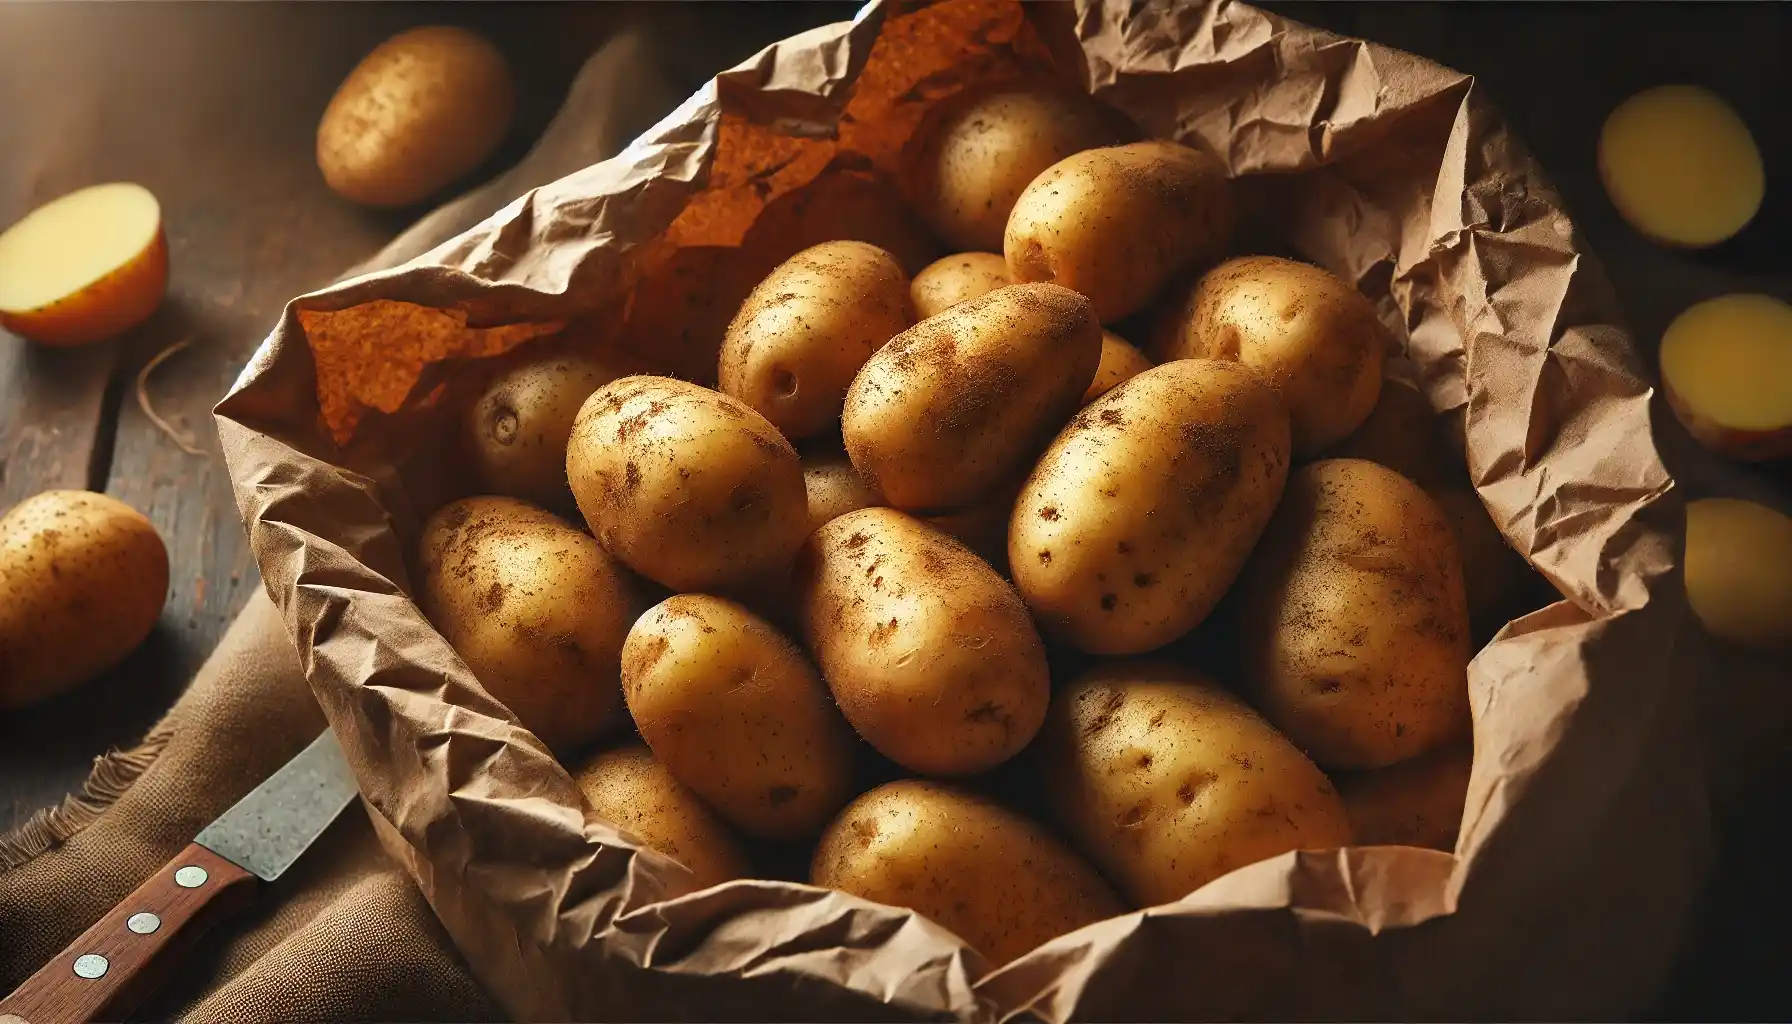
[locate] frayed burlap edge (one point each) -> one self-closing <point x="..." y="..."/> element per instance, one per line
<point x="112" y="775"/>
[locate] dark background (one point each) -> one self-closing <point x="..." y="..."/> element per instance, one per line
<point x="214" y="108"/>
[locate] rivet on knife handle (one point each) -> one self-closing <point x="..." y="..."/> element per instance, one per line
<point x="106" y="972"/>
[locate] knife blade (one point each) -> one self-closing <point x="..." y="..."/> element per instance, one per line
<point x="112" y="966"/>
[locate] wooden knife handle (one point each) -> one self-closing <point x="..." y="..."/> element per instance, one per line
<point x="114" y="965"/>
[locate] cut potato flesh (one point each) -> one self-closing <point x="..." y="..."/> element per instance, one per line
<point x="1739" y="571"/>
<point x="1681" y="166"/>
<point x="1726" y="366"/>
<point x="84" y="267"/>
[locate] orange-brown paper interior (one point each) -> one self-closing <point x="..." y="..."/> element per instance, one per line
<point x="1585" y="831"/>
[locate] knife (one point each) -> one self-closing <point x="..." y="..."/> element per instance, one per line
<point x="114" y="965"/>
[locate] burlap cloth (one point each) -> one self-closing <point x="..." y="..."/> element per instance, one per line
<point x="345" y="935"/>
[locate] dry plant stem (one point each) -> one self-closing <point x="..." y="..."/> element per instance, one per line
<point x="149" y="409"/>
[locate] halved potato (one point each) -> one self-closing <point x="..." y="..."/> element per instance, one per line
<point x="83" y="268"/>
<point x="1681" y="166"/>
<point x="1739" y="571"/>
<point x="1726" y="368"/>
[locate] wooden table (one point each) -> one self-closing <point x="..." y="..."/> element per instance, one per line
<point x="213" y="107"/>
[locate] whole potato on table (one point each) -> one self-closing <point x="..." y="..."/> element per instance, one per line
<point x="520" y="424"/>
<point x="687" y="486"/>
<point x="931" y="655"/>
<point x="834" y="488"/>
<point x="424" y="108"/>
<point x="1413" y="803"/>
<point x="736" y="712"/>
<point x="959" y="405"/>
<point x="1117" y="224"/>
<point x="949" y="280"/>
<point x="803" y="333"/>
<point x="630" y="789"/>
<point x="536" y="609"/>
<point x="1304" y="327"/>
<point x="1353" y="621"/>
<point x="82" y="580"/>
<point x="1139" y="516"/>
<point x="1000" y="882"/>
<point x="1166" y="781"/>
<point x="978" y="151"/>
<point x="1120" y="362"/>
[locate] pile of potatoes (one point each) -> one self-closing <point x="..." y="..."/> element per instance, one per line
<point x="925" y="528"/>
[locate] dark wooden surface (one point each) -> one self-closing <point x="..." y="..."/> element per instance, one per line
<point x="217" y="114"/>
<point x="137" y="963"/>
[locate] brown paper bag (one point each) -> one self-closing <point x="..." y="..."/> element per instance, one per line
<point x="1586" y="829"/>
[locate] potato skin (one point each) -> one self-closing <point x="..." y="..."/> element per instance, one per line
<point x="1117" y="224"/>
<point x="949" y="280"/>
<point x="1166" y="781"/>
<point x="1304" y="327"/>
<point x="734" y="711"/>
<point x="425" y="107"/>
<point x="834" y="488"/>
<point x="631" y="790"/>
<point x="1140" y="515"/>
<point x="1000" y="882"/>
<point x="1413" y="803"/>
<point x="83" y="577"/>
<point x="688" y="487"/>
<point x="536" y="609"/>
<point x="1353" y="622"/>
<point x="931" y="655"/>
<point x="803" y="333"/>
<point x="1120" y="362"/>
<point x="979" y="151"/>
<point x="961" y="403"/>
<point x="519" y="426"/>
<point x="1404" y="435"/>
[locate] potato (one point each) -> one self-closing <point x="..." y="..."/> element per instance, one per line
<point x="978" y="151"/>
<point x="1739" y="571"/>
<point x="688" y="487"/>
<point x="929" y="653"/>
<point x="803" y="333"/>
<point x="1000" y="882"/>
<point x="424" y="108"/>
<point x="84" y="267"/>
<point x="1726" y="368"/>
<point x="1492" y="572"/>
<point x="734" y="711"/>
<point x="1353" y="623"/>
<point x="1120" y="362"/>
<point x="1681" y="166"/>
<point x="950" y="280"/>
<point x="853" y="204"/>
<point x="1304" y="327"/>
<point x="682" y="306"/>
<point x="1413" y="803"/>
<point x="519" y="426"/>
<point x="1140" y="515"/>
<point x="1167" y="782"/>
<point x="834" y="488"/>
<point x="1403" y="434"/>
<point x="632" y="791"/>
<point x="82" y="580"/>
<point x="961" y="403"/>
<point x="1117" y="224"/>
<point x="983" y="527"/>
<point x="535" y="608"/>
